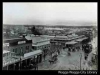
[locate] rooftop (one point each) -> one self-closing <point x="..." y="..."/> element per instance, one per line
<point x="53" y="29"/>
<point x="71" y="42"/>
<point x="44" y="38"/>
<point x="10" y="60"/>
<point x="81" y="39"/>
<point x="32" y="53"/>
<point x="5" y="51"/>
<point x="36" y="39"/>
<point x="68" y="37"/>
<point x="13" y="40"/>
<point x="40" y="44"/>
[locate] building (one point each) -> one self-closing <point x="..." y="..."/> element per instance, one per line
<point x="22" y="49"/>
<point x="61" y="42"/>
<point x="94" y="51"/>
<point x="41" y="43"/>
<point x="18" y="45"/>
<point x="54" y="31"/>
<point x="9" y="58"/>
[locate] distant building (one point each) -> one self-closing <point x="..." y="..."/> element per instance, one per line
<point x="59" y="42"/>
<point x="54" y="31"/>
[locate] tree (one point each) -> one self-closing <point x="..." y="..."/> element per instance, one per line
<point x="7" y="32"/>
<point x="35" y="31"/>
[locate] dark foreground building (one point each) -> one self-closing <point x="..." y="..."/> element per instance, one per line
<point x="18" y="54"/>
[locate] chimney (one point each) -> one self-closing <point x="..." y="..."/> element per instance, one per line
<point x="23" y="36"/>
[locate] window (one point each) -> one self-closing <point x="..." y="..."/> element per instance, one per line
<point x="27" y="47"/>
<point x="7" y="54"/>
<point x="13" y="50"/>
<point x="45" y="47"/>
<point x="11" y="54"/>
<point x="40" y="47"/>
<point x="36" y="47"/>
<point x="33" y="47"/>
<point x="21" y="50"/>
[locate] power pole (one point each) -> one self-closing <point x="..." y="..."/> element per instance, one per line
<point x="80" y="60"/>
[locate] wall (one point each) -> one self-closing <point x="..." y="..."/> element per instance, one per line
<point x="19" y="47"/>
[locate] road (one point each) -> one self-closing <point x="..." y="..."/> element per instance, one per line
<point x="66" y="62"/>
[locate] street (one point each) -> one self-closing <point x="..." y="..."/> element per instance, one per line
<point x="66" y="62"/>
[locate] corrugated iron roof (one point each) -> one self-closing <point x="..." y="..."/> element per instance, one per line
<point x="71" y="42"/>
<point x="14" y="40"/>
<point x="5" y="51"/>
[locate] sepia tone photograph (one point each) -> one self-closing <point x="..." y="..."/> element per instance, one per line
<point x="50" y="36"/>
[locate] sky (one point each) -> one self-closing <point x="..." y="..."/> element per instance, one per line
<point x="49" y="13"/>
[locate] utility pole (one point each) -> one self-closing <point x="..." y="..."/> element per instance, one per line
<point x="80" y="60"/>
<point x="14" y="66"/>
